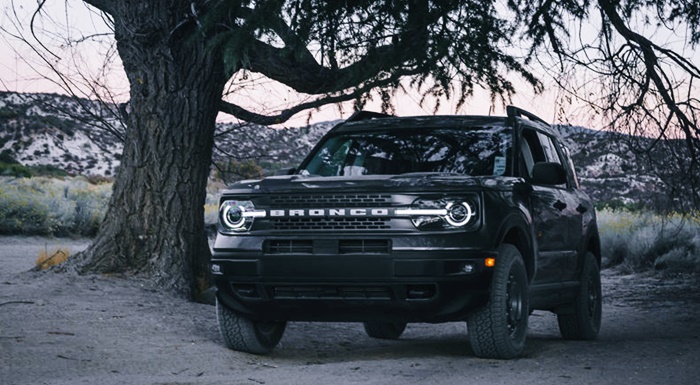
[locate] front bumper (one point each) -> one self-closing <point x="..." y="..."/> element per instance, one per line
<point x="406" y="285"/>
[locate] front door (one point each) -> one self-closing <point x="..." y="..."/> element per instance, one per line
<point x="551" y="208"/>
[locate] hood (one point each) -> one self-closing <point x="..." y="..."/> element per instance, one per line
<point x="413" y="182"/>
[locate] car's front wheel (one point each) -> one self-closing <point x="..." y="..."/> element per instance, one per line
<point x="245" y="335"/>
<point x="498" y="330"/>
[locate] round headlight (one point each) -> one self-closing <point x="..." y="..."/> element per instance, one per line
<point x="459" y="214"/>
<point x="441" y="213"/>
<point x="232" y="216"/>
<point x="238" y="216"/>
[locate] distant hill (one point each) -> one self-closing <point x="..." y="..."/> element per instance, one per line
<point x="609" y="170"/>
<point x="50" y="129"/>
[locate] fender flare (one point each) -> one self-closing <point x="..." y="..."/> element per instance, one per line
<point x="518" y="230"/>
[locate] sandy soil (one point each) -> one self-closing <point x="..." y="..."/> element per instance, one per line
<point x="67" y="329"/>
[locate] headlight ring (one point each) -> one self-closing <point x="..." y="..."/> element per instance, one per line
<point x="442" y="213"/>
<point x="232" y="216"/>
<point x="238" y="216"/>
<point x="458" y="214"/>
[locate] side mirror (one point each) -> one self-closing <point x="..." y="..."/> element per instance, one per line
<point x="549" y="173"/>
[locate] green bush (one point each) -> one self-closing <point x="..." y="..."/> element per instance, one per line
<point x="6" y="157"/>
<point x="47" y="170"/>
<point x="14" y="170"/>
<point x="10" y="167"/>
<point x="21" y="213"/>
<point x="7" y="113"/>
<point x="49" y="206"/>
<point x="70" y="206"/>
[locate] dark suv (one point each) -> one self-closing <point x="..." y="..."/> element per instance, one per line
<point x="391" y="220"/>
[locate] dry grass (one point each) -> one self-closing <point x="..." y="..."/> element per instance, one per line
<point x="51" y="206"/>
<point x="55" y="257"/>
<point x="640" y="241"/>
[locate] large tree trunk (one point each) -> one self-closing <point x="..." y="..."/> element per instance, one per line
<point x="154" y="225"/>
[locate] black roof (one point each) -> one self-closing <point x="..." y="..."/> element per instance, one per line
<point x="369" y="120"/>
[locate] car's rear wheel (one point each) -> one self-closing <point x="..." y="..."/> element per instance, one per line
<point x="583" y="323"/>
<point x="498" y="330"/>
<point x="245" y="335"/>
<point x="385" y="330"/>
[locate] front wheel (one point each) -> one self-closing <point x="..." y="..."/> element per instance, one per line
<point x="245" y="335"/>
<point x="584" y="322"/>
<point x="498" y="330"/>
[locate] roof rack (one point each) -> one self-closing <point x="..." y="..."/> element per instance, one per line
<point x="513" y="112"/>
<point x="367" y="115"/>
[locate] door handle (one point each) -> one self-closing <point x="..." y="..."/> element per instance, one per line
<point x="581" y="209"/>
<point x="559" y="205"/>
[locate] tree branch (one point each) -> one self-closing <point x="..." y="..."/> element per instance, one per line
<point x="651" y="63"/>
<point x="294" y="65"/>
<point x="266" y="120"/>
<point x="106" y="6"/>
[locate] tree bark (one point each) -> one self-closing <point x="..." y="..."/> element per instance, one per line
<point x="154" y="224"/>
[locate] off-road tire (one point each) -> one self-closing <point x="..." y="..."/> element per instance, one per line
<point x="498" y="330"/>
<point x="385" y="330"/>
<point x="245" y="335"/>
<point x="584" y="322"/>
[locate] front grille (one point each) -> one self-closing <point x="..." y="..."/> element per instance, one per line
<point x="289" y="246"/>
<point x="331" y="292"/>
<point x="333" y="223"/>
<point x="331" y="200"/>
<point x="364" y="246"/>
<point x="327" y="246"/>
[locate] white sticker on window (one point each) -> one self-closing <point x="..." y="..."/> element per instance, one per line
<point x="499" y="165"/>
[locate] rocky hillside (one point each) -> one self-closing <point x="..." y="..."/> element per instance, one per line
<point x="608" y="168"/>
<point x="48" y="129"/>
<point x="78" y="136"/>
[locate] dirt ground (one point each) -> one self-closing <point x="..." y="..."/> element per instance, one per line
<point x="67" y="329"/>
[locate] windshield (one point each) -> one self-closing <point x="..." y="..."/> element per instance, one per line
<point x="476" y="151"/>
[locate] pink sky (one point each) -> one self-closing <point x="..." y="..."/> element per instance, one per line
<point x="19" y="66"/>
<point x="265" y="95"/>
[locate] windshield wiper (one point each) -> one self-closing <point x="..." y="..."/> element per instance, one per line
<point x="427" y="174"/>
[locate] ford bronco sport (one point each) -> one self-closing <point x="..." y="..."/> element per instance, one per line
<point x="392" y="220"/>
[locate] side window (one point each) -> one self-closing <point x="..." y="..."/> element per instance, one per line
<point x="569" y="163"/>
<point x="550" y="150"/>
<point x="537" y="147"/>
<point x="531" y="152"/>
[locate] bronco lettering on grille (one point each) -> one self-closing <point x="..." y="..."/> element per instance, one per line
<point x="353" y="212"/>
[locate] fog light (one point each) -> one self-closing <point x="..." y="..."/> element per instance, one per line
<point x="468" y="268"/>
<point x="216" y="269"/>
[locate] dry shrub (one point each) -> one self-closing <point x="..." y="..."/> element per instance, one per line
<point x="641" y="241"/>
<point x="55" y="257"/>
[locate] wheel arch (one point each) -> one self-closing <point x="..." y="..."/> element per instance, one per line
<point x="593" y="246"/>
<point x="515" y="231"/>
